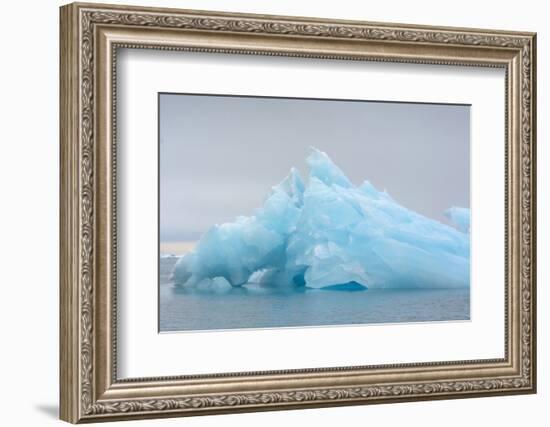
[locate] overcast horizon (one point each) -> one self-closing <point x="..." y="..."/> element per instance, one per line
<point x="220" y="155"/>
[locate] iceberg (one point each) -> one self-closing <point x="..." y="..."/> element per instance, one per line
<point x="331" y="234"/>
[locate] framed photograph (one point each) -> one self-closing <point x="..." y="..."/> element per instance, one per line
<point x="266" y="212"/>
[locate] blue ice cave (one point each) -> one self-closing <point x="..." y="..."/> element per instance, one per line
<point x="331" y="234"/>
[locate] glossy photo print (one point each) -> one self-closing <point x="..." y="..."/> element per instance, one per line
<point x="296" y="212"/>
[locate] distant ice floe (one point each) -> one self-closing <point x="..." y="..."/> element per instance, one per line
<point x="460" y="217"/>
<point x="332" y="235"/>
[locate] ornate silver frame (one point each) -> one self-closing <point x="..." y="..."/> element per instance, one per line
<point x="90" y="36"/>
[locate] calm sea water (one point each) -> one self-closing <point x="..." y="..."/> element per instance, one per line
<point x="255" y="307"/>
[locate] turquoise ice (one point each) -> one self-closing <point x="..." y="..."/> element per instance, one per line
<point x="331" y="234"/>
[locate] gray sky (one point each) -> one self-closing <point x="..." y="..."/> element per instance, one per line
<point x="219" y="156"/>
